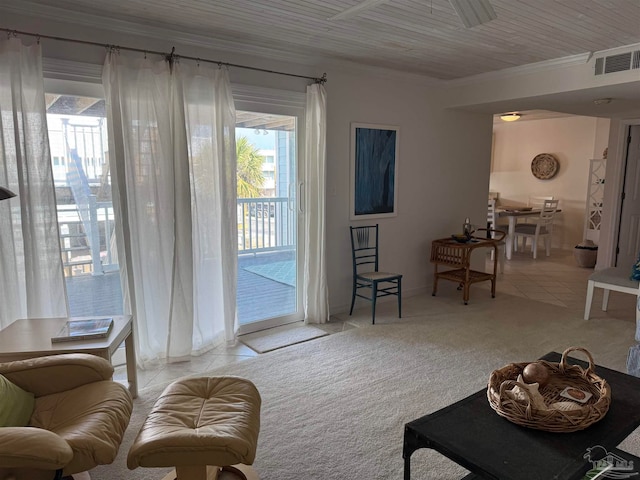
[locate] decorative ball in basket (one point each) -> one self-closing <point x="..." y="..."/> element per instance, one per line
<point x="555" y="397"/>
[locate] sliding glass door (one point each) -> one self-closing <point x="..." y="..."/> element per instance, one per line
<point x="269" y="243"/>
<point x="77" y="129"/>
<point x="270" y="246"/>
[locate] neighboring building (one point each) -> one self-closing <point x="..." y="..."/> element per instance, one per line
<point x="269" y="173"/>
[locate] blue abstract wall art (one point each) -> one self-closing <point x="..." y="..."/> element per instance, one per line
<point x="374" y="170"/>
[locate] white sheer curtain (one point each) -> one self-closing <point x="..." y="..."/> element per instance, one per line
<point x="31" y="273"/>
<point x="172" y="142"/>
<point x="210" y="119"/>
<point x="316" y="297"/>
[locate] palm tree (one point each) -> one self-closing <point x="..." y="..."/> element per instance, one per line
<point x="250" y="177"/>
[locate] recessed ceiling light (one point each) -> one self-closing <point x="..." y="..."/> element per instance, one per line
<point x="602" y="101"/>
<point x="510" y="117"/>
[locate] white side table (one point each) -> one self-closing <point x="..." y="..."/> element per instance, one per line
<point x="31" y="337"/>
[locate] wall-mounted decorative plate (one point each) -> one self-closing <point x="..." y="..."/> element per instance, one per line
<point x="544" y="166"/>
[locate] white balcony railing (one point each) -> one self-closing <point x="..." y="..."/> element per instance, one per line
<point x="87" y="246"/>
<point x="264" y="224"/>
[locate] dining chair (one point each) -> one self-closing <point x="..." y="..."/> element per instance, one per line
<point x="535" y="202"/>
<point x="492" y="224"/>
<point x="366" y="277"/>
<point x="538" y="201"/>
<point x="543" y="227"/>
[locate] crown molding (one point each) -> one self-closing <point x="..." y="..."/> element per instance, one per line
<point x="528" y="69"/>
<point x="614" y="51"/>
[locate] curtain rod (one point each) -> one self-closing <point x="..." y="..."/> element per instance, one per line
<point x="169" y="56"/>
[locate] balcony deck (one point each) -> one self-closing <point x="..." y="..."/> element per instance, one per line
<point x="257" y="295"/>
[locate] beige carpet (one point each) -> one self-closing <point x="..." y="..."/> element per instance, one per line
<point x="279" y="337"/>
<point x="335" y="408"/>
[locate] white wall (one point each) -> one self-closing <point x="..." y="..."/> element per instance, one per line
<point x="573" y="141"/>
<point x="444" y="155"/>
<point x="443" y="175"/>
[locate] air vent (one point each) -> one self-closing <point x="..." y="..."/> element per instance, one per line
<point x="617" y="63"/>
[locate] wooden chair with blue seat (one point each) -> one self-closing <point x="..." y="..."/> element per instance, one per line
<point x="366" y="277"/>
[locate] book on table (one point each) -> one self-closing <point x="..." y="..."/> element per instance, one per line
<point x="86" y="329"/>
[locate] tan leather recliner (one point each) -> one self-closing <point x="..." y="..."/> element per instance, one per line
<point x="79" y="418"/>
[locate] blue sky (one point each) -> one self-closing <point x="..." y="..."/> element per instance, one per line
<point x="262" y="142"/>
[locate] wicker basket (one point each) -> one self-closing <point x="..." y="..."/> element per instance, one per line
<point x="561" y="376"/>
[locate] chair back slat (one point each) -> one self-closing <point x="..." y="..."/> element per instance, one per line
<point x="364" y="247"/>
<point x="491" y="213"/>
<point x="538" y="201"/>
<point x="547" y="212"/>
<point x="492" y="219"/>
<point x="362" y="236"/>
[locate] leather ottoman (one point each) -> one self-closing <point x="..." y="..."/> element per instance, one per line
<point x="201" y="426"/>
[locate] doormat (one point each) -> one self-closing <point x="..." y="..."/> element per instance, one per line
<point x="283" y="272"/>
<point x="279" y="337"/>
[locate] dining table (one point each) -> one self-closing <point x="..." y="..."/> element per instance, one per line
<point x="512" y="214"/>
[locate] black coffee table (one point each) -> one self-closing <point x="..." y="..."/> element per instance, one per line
<point x="471" y="434"/>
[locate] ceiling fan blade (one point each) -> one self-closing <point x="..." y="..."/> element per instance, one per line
<point x="474" y="12"/>
<point x="350" y="12"/>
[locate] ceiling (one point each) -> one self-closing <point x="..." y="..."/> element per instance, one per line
<point x="424" y="37"/>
